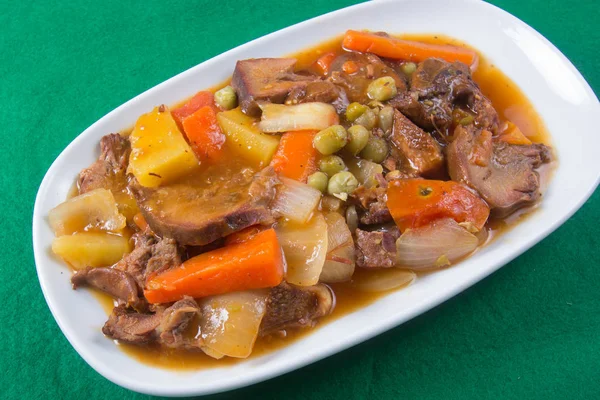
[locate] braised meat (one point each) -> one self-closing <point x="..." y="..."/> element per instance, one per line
<point x="194" y="215"/>
<point x="117" y="283"/>
<point x="376" y="249"/>
<point x="108" y="172"/>
<point x="292" y="306"/>
<point x="502" y="173"/>
<point x="266" y="79"/>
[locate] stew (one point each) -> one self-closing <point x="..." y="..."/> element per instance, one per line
<point x="306" y="187"/>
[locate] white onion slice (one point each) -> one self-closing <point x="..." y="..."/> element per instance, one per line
<point x="339" y="263"/>
<point x="364" y="170"/>
<point x="295" y="200"/>
<point x="305" y="249"/>
<point x="384" y="279"/>
<point x="435" y="245"/>
<point x="283" y="118"/>
<point x="230" y="322"/>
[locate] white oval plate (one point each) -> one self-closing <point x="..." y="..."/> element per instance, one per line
<point x="559" y="93"/>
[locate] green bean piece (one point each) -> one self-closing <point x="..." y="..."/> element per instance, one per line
<point x="330" y="140"/>
<point x="382" y="89"/>
<point x="331" y="165"/>
<point x="354" y="110"/>
<point x="358" y="136"/>
<point x="368" y="119"/>
<point x="318" y="180"/>
<point x="376" y="150"/>
<point x="342" y="184"/>
<point x="408" y="68"/>
<point x="386" y="119"/>
<point x="226" y="98"/>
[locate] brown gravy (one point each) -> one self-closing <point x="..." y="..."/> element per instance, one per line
<point x="510" y="103"/>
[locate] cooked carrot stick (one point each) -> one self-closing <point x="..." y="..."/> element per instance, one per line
<point x="199" y="100"/>
<point x="296" y="158"/>
<point x="390" y="47"/>
<point x="204" y="134"/>
<point x="244" y="234"/>
<point x="417" y="202"/>
<point x="254" y="264"/>
<point x="323" y="64"/>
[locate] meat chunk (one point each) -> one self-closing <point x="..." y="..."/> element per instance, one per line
<point x="266" y="79"/>
<point x="376" y="249"/>
<point x="165" y="327"/>
<point x="198" y="215"/>
<point x="292" y="306"/>
<point x="373" y="204"/>
<point x="117" y="283"/>
<point x="109" y="170"/>
<point x="150" y="256"/>
<point x="414" y="148"/>
<point x="502" y="173"/>
<point x="437" y="89"/>
<point x="370" y="67"/>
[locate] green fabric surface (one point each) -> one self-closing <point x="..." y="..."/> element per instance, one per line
<point x="530" y="331"/>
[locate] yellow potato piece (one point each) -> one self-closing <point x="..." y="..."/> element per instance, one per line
<point x="91" y="249"/>
<point x="245" y="139"/>
<point x="159" y="152"/>
<point x="96" y="209"/>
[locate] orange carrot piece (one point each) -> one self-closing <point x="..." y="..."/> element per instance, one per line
<point x="199" y="100"/>
<point x="390" y="47"/>
<point x="417" y="202"/>
<point x="254" y="264"/>
<point x="244" y="234"/>
<point x="323" y="64"/>
<point x="204" y="134"/>
<point x="513" y="135"/>
<point x="140" y="221"/>
<point x="296" y="158"/>
<point x="349" y="67"/>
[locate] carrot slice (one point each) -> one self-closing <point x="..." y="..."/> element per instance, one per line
<point x="389" y="47"/>
<point x="204" y="134"/>
<point x="323" y="64"/>
<point x="513" y="135"/>
<point x="417" y="202"/>
<point x="199" y="100"/>
<point x="254" y="264"/>
<point x="296" y="158"/>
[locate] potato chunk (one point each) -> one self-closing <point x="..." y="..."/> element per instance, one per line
<point x="91" y="249"/>
<point x="159" y="152"/>
<point x="96" y="209"/>
<point x="244" y="138"/>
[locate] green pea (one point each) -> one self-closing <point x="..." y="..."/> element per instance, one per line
<point x="342" y="184"/>
<point x="358" y="137"/>
<point x="226" y="98"/>
<point x="376" y="150"/>
<point x="368" y="119"/>
<point x="354" y="110"/>
<point x="382" y="89"/>
<point x="408" y="68"/>
<point x="386" y="119"/>
<point x="318" y="180"/>
<point x="330" y="140"/>
<point x="331" y="165"/>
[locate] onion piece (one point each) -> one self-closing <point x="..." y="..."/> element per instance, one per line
<point x="384" y="279"/>
<point x="339" y="263"/>
<point x="295" y="200"/>
<point x="364" y="171"/>
<point x="284" y="118"/>
<point x="435" y="245"/>
<point x="96" y="209"/>
<point x="230" y="322"/>
<point x="305" y="249"/>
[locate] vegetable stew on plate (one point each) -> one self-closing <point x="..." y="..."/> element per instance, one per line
<point x="306" y="187"/>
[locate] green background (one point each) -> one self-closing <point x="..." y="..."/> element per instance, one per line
<point x="531" y="330"/>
